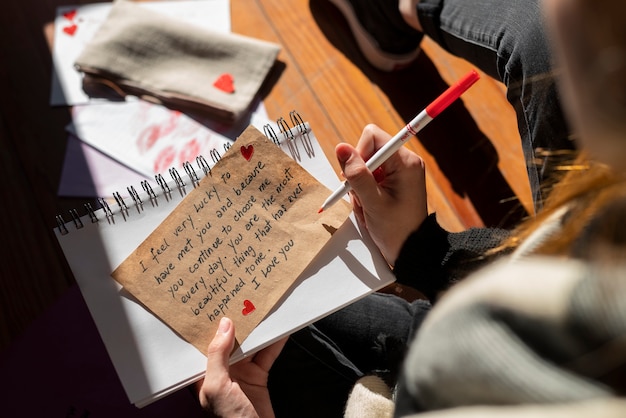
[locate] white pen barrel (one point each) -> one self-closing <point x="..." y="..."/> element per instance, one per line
<point x="398" y="140"/>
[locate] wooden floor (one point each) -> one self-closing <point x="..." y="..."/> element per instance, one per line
<point x="476" y="174"/>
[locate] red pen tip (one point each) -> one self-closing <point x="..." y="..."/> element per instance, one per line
<point x="321" y="210"/>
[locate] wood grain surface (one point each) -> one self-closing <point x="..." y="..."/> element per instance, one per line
<point x="476" y="174"/>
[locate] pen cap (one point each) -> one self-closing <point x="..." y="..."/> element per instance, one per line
<point x="452" y="93"/>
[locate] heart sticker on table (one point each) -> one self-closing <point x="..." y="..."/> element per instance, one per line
<point x="226" y="83"/>
<point x="70" y="30"/>
<point x="248" y="307"/>
<point x="247" y="152"/>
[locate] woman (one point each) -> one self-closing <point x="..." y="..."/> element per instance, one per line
<point x="559" y="317"/>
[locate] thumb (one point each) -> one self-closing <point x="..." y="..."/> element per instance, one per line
<point x="356" y="172"/>
<point x="218" y="353"/>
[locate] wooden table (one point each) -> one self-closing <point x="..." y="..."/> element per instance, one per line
<point x="476" y="173"/>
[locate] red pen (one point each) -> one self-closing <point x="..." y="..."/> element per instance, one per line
<point x="412" y="128"/>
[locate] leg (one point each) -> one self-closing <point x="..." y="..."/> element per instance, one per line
<point x="385" y="39"/>
<point x="506" y="40"/>
<point x="320" y="364"/>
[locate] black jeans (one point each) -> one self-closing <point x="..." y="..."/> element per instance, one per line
<point x="320" y="364"/>
<point x="506" y="39"/>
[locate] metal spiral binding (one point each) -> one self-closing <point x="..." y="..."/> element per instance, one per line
<point x="164" y="187"/>
<point x="215" y="156"/>
<point x="179" y="181"/>
<point x="91" y="213"/>
<point x="191" y="173"/>
<point x="204" y="166"/>
<point x="289" y="138"/>
<point x="107" y="210"/>
<point x="148" y="189"/>
<point x="136" y="199"/>
<point x="270" y="134"/>
<point x="297" y="121"/>
<point x="288" y="135"/>
<point x="285" y="130"/>
<point x="61" y="225"/>
<point x="77" y="222"/>
<point x="121" y="204"/>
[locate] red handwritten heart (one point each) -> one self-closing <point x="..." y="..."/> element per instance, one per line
<point x="226" y="83"/>
<point x="247" y="152"/>
<point x="70" y="30"/>
<point x="248" y="307"/>
<point x="70" y="15"/>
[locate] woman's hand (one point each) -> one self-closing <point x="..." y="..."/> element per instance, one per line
<point x="241" y="389"/>
<point x="391" y="202"/>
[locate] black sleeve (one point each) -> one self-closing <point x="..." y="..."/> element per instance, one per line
<point x="432" y="258"/>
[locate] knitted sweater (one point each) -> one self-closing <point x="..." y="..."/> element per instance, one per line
<point x="522" y="337"/>
<point x="543" y="332"/>
<point x="432" y="259"/>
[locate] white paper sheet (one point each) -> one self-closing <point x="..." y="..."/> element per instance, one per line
<point x="151" y="138"/>
<point x="88" y="172"/>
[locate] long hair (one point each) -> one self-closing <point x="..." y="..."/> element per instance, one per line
<point x="593" y="193"/>
<point x="587" y="188"/>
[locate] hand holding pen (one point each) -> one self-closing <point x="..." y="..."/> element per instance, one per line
<point x="411" y="129"/>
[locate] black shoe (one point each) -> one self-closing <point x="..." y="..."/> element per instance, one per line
<point x="384" y="38"/>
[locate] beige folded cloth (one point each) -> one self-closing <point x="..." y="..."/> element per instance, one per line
<point x="148" y="54"/>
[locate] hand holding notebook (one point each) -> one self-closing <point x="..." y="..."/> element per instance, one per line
<point x="152" y="360"/>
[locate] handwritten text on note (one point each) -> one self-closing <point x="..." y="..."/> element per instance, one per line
<point x="235" y="245"/>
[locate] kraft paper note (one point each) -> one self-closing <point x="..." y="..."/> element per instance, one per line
<point x="235" y="245"/>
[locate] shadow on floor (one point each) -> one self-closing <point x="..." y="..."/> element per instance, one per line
<point x="465" y="155"/>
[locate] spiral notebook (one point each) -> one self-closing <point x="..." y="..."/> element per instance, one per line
<point x="149" y="358"/>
